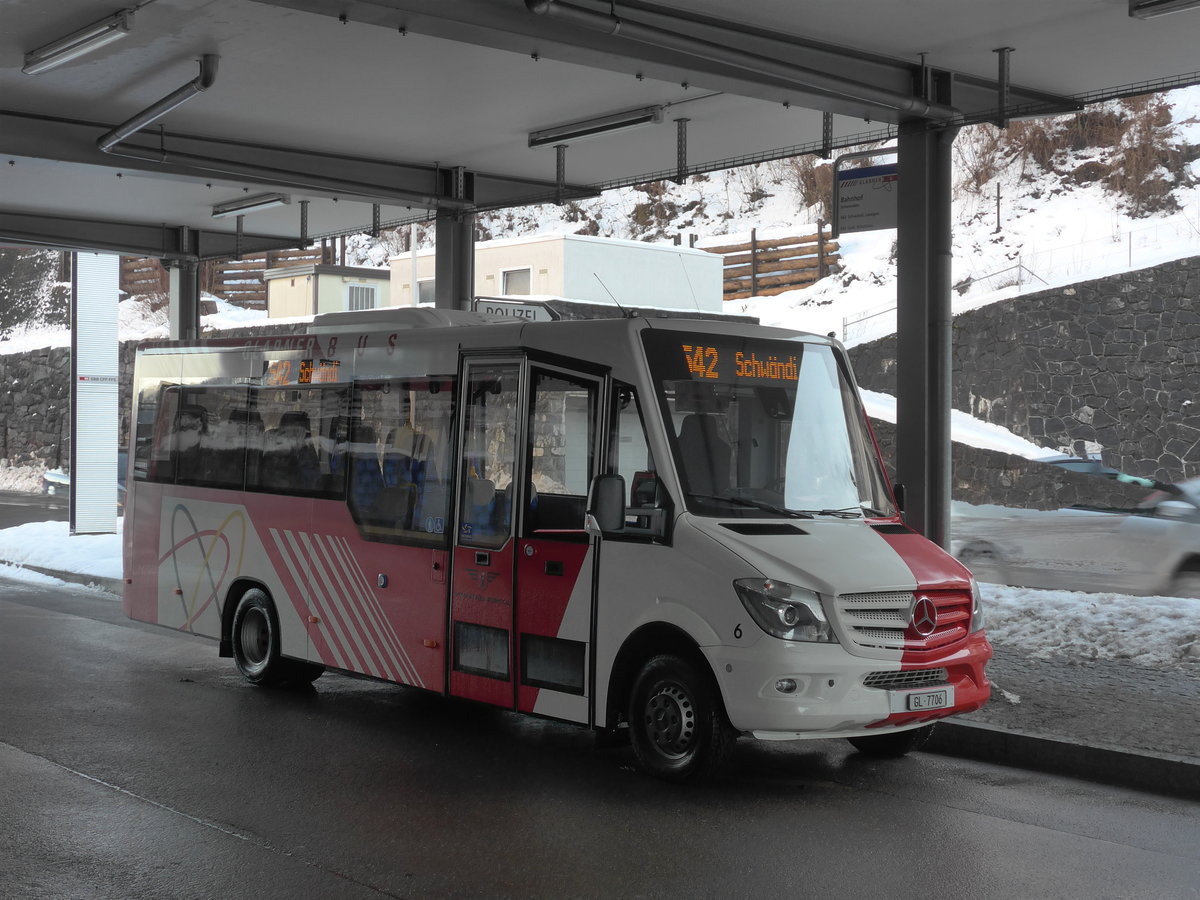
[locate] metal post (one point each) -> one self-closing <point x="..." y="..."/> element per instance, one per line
<point x="454" y="262"/>
<point x="923" y="321"/>
<point x="681" y="166"/>
<point x="183" y="291"/>
<point x="822" y="269"/>
<point x="560" y="171"/>
<point x="940" y="398"/>
<point x="1002" y="80"/>
<point x="753" y="262"/>
<point x="826" y="135"/>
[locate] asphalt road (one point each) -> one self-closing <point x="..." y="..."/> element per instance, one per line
<point x="136" y="763"/>
<point x="18" y="507"/>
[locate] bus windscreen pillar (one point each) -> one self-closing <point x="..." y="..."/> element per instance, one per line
<point x="94" y="393"/>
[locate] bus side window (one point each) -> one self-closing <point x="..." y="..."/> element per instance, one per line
<point x="190" y="440"/>
<point x="630" y="456"/>
<point x="489" y="456"/>
<point x="154" y="454"/>
<point x="397" y="458"/>
<point x="366" y="478"/>
<point x="562" y="417"/>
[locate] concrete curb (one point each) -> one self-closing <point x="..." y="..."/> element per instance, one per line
<point x="111" y="585"/>
<point x="1175" y="776"/>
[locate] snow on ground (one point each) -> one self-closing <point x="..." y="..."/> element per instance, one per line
<point x="964" y="428"/>
<point x="51" y="545"/>
<point x="1161" y="632"/>
<point x="21" y="478"/>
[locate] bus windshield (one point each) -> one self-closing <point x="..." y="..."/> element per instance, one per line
<point x="765" y="428"/>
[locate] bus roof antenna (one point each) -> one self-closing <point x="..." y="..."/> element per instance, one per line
<point x="688" y="278"/>
<point x="624" y="313"/>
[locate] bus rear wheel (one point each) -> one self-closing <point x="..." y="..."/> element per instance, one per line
<point x="677" y="725"/>
<point x="894" y="744"/>
<point x="255" y="639"/>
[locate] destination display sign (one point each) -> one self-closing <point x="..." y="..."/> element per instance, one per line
<point x="742" y="362"/>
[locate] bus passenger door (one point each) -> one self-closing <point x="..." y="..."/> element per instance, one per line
<point x="554" y="554"/>
<point x="481" y="595"/>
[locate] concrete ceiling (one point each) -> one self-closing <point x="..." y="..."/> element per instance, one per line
<point x="347" y="104"/>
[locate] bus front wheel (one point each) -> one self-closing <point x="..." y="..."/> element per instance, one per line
<point x="677" y="724"/>
<point x="255" y="639"/>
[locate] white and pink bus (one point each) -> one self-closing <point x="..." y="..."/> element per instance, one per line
<point x="674" y="529"/>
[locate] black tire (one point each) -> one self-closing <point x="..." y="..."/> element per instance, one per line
<point x="1187" y="585"/>
<point x="677" y="723"/>
<point x="255" y="639"/>
<point x="893" y="744"/>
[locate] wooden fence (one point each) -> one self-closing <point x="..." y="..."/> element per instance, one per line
<point x="143" y="275"/>
<point x="768" y="267"/>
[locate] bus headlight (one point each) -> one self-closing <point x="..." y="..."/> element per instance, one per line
<point x="784" y="610"/>
<point x="976" y="607"/>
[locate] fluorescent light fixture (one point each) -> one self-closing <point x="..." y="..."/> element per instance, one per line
<point x="587" y="128"/>
<point x="76" y="44"/>
<point x="249" y="204"/>
<point x="1149" y="9"/>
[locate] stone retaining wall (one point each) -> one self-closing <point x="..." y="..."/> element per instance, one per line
<point x="1114" y="361"/>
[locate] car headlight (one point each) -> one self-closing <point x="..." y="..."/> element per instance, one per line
<point x="976" y="607"/>
<point x="784" y="610"/>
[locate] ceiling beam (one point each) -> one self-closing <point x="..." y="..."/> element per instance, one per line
<point x="202" y="159"/>
<point x="130" y="238"/>
<point x="763" y="65"/>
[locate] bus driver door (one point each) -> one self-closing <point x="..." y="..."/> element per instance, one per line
<point x="521" y="598"/>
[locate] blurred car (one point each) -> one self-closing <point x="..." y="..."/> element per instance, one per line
<point x="1086" y="466"/>
<point x="58" y="481"/>
<point x="1153" y="549"/>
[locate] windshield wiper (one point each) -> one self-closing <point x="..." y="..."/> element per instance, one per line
<point x="849" y="512"/>
<point x="755" y="504"/>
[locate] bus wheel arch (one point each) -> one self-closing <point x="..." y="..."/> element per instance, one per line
<point x="665" y="690"/>
<point x="1186" y="580"/>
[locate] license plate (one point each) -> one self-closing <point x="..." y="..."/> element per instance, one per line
<point x="930" y="700"/>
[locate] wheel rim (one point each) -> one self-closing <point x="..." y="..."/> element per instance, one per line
<point x="254" y="638"/>
<point x="670" y="718"/>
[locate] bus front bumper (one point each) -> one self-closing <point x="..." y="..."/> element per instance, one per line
<point x="829" y="698"/>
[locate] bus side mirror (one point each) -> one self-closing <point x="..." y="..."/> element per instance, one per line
<point x="606" y="505"/>
<point x="898" y="494"/>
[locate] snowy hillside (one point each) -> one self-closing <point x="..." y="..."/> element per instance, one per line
<point x="1090" y="211"/>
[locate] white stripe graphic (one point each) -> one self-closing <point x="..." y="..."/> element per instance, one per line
<point x="338" y="659"/>
<point x="353" y="610"/>
<point x="359" y="662"/>
<point x="346" y="621"/>
<point x="359" y="580"/>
